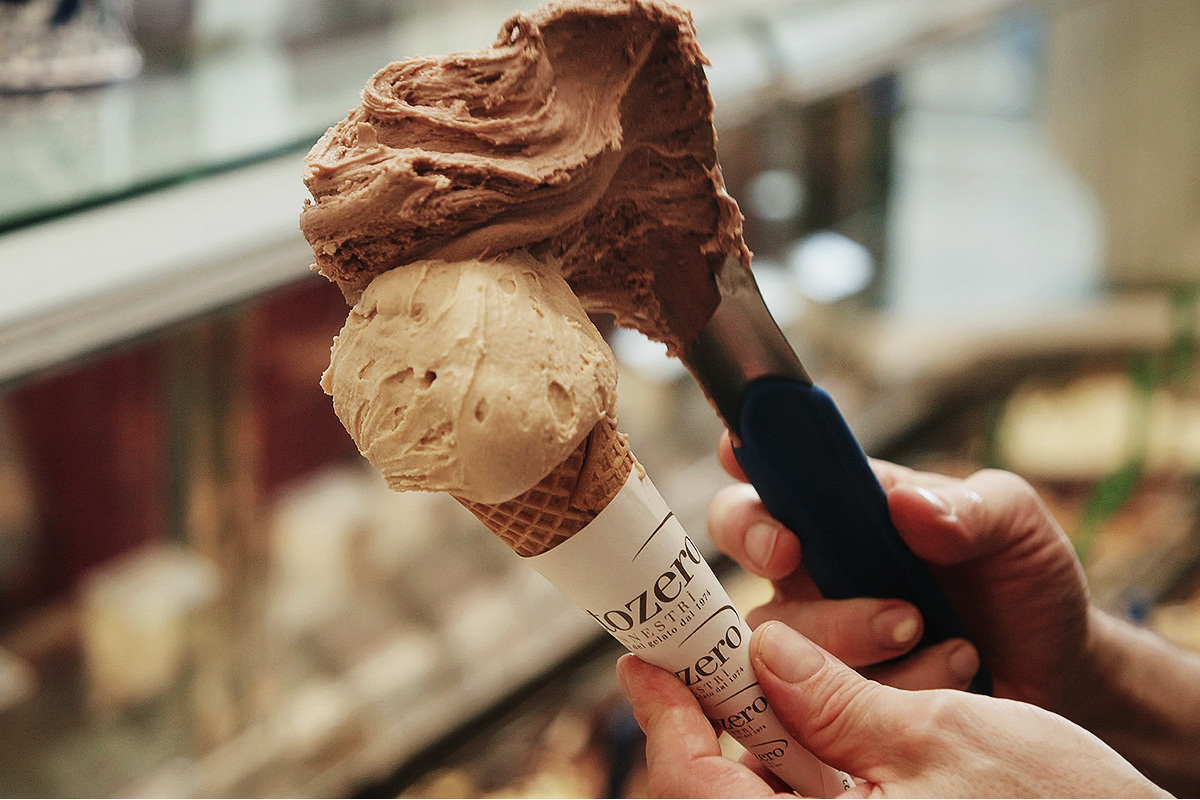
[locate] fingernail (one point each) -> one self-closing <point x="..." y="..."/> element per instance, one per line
<point x="789" y="655"/>
<point x="760" y="542"/>
<point x="622" y="665"/>
<point x="897" y="625"/>
<point x="938" y="503"/>
<point x="963" y="662"/>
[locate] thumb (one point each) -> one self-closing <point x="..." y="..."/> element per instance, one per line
<point x="951" y="521"/>
<point x="843" y="719"/>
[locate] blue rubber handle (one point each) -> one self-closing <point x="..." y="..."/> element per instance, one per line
<point x="813" y="477"/>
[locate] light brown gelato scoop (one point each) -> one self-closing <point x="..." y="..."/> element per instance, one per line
<point x="584" y="134"/>
<point x="473" y="377"/>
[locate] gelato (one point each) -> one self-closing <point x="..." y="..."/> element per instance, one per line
<point x="471" y="377"/>
<point x="457" y="208"/>
<point x="584" y="135"/>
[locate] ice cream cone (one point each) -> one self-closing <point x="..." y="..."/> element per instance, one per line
<point x="567" y="499"/>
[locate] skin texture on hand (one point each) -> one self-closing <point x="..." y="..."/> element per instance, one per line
<point x="899" y="743"/>
<point x="1003" y="561"/>
<point x="1015" y="581"/>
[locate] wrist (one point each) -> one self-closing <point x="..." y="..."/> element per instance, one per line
<point x="1141" y="695"/>
<point x="1093" y="686"/>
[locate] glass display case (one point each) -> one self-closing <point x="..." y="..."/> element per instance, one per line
<point x="204" y="590"/>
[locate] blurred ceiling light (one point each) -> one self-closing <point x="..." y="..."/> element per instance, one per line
<point x="827" y="266"/>
<point x="775" y="195"/>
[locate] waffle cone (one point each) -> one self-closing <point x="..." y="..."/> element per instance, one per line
<point x="567" y="499"/>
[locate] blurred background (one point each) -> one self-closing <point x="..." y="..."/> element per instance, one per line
<point x="978" y="221"/>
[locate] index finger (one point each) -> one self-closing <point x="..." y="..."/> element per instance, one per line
<point x="683" y="755"/>
<point x="728" y="460"/>
<point x="740" y="526"/>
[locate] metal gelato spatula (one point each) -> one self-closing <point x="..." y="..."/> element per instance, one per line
<point x="799" y="454"/>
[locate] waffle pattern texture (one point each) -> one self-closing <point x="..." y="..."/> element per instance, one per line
<point x="567" y="499"/>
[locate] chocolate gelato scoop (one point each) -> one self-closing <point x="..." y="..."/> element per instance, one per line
<point x="584" y="135"/>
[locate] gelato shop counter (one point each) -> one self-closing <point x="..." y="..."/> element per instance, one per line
<point x="975" y="240"/>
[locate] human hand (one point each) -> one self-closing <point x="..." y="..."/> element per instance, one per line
<point x="1003" y="561"/>
<point x="933" y="743"/>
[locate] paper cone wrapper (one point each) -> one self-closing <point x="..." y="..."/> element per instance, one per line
<point x="635" y="571"/>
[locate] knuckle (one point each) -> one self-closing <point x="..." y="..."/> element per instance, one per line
<point x="1006" y="492"/>
<point x="942" y="721"/>
<point x="1015" y="500"/>
<point x="1007" y="483"/>
<point x="842" y="710"/>
<point x="1002" y="479"/>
